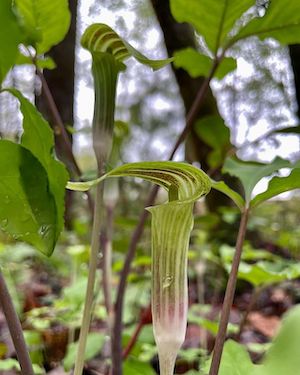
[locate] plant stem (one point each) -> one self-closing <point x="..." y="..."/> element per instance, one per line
<point x="87" y="312"/>
<point x="15" y="328"/>
<point x="107" y="264"/>
<point x="117" y="329"/>
<point x="229" y="295"/>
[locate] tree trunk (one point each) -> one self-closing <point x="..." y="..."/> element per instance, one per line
<point x="178" y="36"/>
<point x="295" y="61"/>
<point x="61" y="84"/>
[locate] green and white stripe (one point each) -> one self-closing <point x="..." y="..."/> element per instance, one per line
<point x="108" y="53"/>
<point x="171" y="226"/>
<point x="102" y="38"/>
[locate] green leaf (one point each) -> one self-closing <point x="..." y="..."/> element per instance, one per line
<point x="236" y="360"/>
<point x="199" y="65"/>
<point x="278" y="185"/>
<point x="10" y="37"/>
<point x="45" y="23"/>
<point x="9" y="364"/>
<point x="207" y="128"/>
<point x="225" y="189"/>
<point x="265" y="273"/>
<point x="250" y="173"/>
<point x="94" y="344"/>
<point x="133" y="366"/>
<point x="38" y="139"/>
<point x="27" y="207"/>
<point x="281" y="21"/>
<point x="213" y="19"/>
<point x="103" y="39"/>
<point x="283" y="356"/>
<point x="41" y="62"/>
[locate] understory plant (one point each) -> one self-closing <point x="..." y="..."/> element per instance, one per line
<point x="33" y="185"/>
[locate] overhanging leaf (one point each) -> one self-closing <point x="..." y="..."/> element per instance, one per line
<point x="213" y="19"/>
<point x="283" y="356"/>
<point x="250" y="173"/>
<point x="103" y="39"/>
<point x="182" y="181"/>
<point x="278" y="185"/>
<point x="45" y="23"/>
<point x="281" y="22"/>
<point x="199" y="65"/>
<point x="27" y="207"/>
<point x="38" y="139"/>
<point x="10" y="37"/>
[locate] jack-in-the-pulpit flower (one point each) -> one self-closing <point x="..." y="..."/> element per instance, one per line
<point x="108" y="52"/>
<point x="171" y="226"/>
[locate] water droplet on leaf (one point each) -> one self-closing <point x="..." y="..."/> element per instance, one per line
<point x="6" y="199"/>
<point x="46" y="230"/>
<point x="4" y="223"/>
<point x="167" y="281"/>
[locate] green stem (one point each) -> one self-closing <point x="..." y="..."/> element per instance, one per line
<point x="87" y="313"/>
<point x="15" y="328"/>
<point x="229" y="295"/>
<point x="107" y="265"/>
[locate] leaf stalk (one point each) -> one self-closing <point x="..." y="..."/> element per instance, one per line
<point x="229" y="296"/>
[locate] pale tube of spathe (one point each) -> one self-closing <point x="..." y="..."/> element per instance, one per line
<point x="170" y="233"/>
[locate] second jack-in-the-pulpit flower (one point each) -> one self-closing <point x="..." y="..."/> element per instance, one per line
<point x="109" y="51"/>
<point x="171" y="226"/>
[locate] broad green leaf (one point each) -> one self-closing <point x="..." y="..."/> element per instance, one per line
<point x="198" y="65"/>
<point x="266" y="273"/>
<point x="236" y="360"/>
<point x="225" y="189"/>
<point x="27" y="207"/>
<point x="133" y="366"/>
<point x="10" y="37"/>
<point x="45" y="23"/>
<point x="95" y="341"/>
<point x="250" y="173"/>
<point x="262" y="272"/>
<point x="101" y="38"/>
<point x="213" y="19"/>
<point x="38" y="139"/>
<point x="283" y="356"/>
<point x="278" y="185"/>
<point x="281" y="21"/>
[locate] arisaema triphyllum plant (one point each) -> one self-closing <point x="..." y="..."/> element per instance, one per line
<point x="171" y="222"/>
<point x="171" y="226"/>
